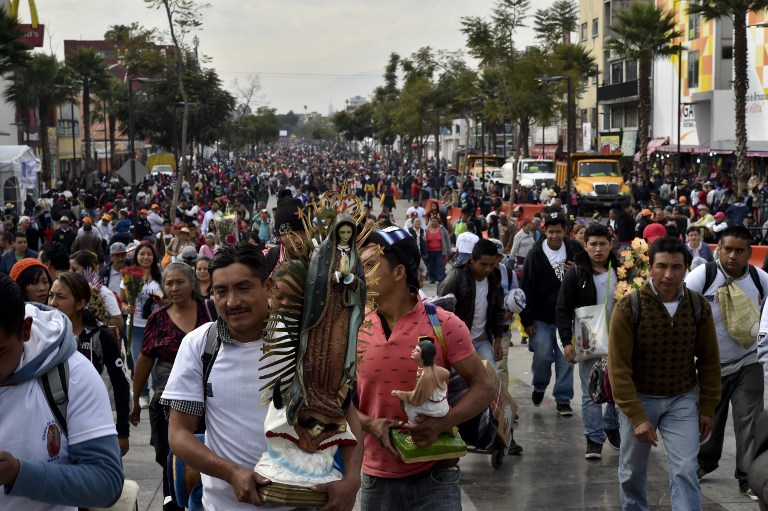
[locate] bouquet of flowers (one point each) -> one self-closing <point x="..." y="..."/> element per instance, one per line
<point x="133" y="282"/>
<point x="633" y="270"/>
<point x="226" y="225"/>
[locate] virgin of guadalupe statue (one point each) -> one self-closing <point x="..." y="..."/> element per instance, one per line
<point x="334" y="307"/>
<point x="306" y="422"/>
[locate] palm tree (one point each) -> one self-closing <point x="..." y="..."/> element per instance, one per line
<point x="737" y="10"/>
<point x="13" y="51"/>
<point x="42" y="85"/>
<point x="644" y="32"/>
<point x="92" y="74"/>
<point x="553" y="26"/>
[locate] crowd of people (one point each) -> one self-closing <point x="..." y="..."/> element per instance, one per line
<point x="676" y="362"/>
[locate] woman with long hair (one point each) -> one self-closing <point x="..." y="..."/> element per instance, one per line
<point x="438" y="249"/>
<point x="73" y="296"/>
<point x="146" y="260"/>
<point x="164" y="331"/>
<point x="84" y="261"/>
<point x="33" y="279"/>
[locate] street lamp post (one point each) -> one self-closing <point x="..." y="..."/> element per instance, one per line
<point x="569" y="128"/>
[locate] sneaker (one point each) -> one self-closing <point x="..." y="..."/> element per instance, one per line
<point x="594" y="450"/>
<point x="614" y="438"/>
<point x="746" y="490"/>
<point x="564" y="410"/>
<point x="524" y="341"/>
<point x="701" y="472"/>
<point x="537" y="397"/>
<point x="144" y="402"/>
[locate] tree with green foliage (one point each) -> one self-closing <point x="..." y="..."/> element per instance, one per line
<point x="737" y="11"/>
<point x="43" y="84"/>
<point x="644" y="32"/>
<point x="554" y="25"/>
<point x="88" y="69"/>
<point x="14" y="52"/>
<point x="183" y="17"/>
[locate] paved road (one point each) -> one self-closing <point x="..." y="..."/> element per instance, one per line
<point x="550" y="475"/>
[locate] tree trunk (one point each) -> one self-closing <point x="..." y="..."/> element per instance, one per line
<point x="740" y="86"/>
<point x="644" y="112"/>
<point x="86" y="122"/>
<point x="44" y="146"/>
<point x="112" y="143"/>
<point x="182" y="173"/>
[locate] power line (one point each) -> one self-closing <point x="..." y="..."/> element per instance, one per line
<point x="311" y="75"/>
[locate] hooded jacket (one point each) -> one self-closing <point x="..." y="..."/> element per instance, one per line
<point x="58" y="471"/>
<point x="540" y="284"/>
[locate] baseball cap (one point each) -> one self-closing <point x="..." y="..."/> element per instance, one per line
<point x="498" y="244"/>
<point x="64" y="219"/>
<point x="155" y="206"/>
<point x="189" y="254"/>
<point x="87" y="220"/>
<point x="554" y="218"/>
<point x="143" y="211"/>
<point x="123" y="226"/>
<point x="402" y="245"/>
<point x="117" y="248"/>
<point x="719" y="214"/>
<point x="654" y="231"/>
<point x="646" y="212"/>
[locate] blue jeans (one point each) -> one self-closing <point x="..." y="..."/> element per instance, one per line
<point x="435" y="265"/>
<point x="136" y="342"/>
<point x="595" y="421"/>
<point x="677" y="420"/>
<point x="484" y="350"/>
<point x="426" y="491"/>
<point x="543" y="344"/>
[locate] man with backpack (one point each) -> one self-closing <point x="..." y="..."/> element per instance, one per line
<point x="543" y="272"/>
<point x="736" y="292"/>
<point x="664" y="371"/>
<point x="59" y="444"/>
<point x="217" y="374"/>
<point x="591" y="281"/>
<point x="401" y="319"/>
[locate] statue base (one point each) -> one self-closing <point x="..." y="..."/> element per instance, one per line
<point x="447" y="446"/>
<point x="292" y="496"/>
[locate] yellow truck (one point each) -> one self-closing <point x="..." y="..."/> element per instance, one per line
<point x="491" y="172"/>
<point x="597" y="179"/>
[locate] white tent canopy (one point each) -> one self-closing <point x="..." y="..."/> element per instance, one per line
<point x="19" y="168"/>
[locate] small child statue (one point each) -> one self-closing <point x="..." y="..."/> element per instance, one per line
<point x="429" y="397"/>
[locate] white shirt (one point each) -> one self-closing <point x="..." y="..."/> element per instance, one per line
<point x="481" y="308"/>
<point x="556" y="259"/>
<point x="730" y="349"/>
<point x="110" y="301"/>
<point x="209" y="215"/>
<point x="601" y="284"/>
<point x="466" y="241"/>
<point x="137" y="319"/>
<point x="27" y="422"/>
<point x="418" y="210"/>
<point x="233" y="431"/>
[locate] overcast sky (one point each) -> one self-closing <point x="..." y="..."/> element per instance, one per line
<point x="306" y="52"/>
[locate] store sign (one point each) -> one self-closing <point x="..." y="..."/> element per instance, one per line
<point x="34" y="32"/>
<point x="33" y="36"/>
